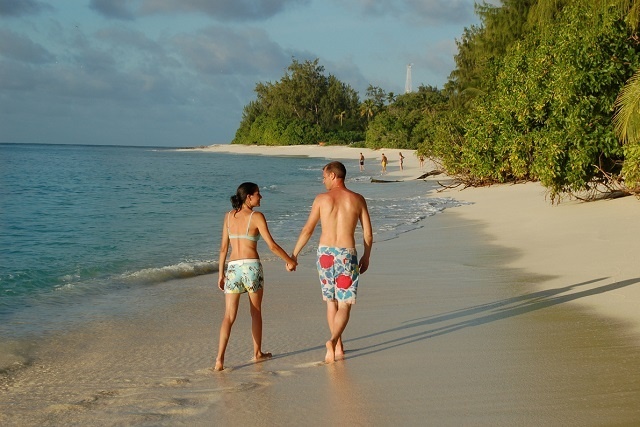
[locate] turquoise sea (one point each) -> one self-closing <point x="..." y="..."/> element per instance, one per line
<point x="79" y="222"/>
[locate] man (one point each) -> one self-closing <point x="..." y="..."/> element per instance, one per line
<point x="361" y="162"/>
<point x="339" y="210"/>
<point x="384" y="164"/>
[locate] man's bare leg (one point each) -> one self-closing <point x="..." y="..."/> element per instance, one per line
<point x="340" y="320"/>
<point x="255" y="299"/>
<point x="230" y="312"/>
<point x="332" y="308"/>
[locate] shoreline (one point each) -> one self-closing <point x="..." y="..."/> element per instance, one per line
<point x="411" y="170"/>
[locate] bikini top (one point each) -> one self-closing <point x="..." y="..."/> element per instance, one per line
<point x="242" y="236"/>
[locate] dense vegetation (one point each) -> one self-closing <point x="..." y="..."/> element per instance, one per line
<point x="544" y="90"/>
<point x="304" y="107"/>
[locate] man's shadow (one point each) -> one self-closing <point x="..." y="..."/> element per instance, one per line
<point x="498" y="310"/>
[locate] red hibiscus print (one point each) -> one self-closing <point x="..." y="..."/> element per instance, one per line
<point x="343" y="281"/>
<point x="326" y="261"/>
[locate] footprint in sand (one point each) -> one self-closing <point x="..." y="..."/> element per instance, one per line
<point x="210" y="370"/>
<point x="272" y="373"/>
<point x="310" y="364"/>
<point x="169" y="382"/>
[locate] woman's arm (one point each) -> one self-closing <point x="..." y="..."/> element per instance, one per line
<point x="263" y="228"/>
<point x="224" y="248"/>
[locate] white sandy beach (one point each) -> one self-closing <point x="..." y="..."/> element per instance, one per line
<point x="507" y="311"/>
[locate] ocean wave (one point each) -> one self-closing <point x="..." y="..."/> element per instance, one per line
<point x="359" y="178"/>
<point x="182" y="270"/>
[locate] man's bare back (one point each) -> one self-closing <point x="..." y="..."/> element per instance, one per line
<point x="340" y="211"/>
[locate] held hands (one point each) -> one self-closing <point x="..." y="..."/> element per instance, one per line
<point x="290" y="266"/>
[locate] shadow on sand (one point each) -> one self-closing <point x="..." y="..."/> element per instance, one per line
<point x="485" y="313"/>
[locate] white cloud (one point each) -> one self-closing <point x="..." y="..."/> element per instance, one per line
<point x="22" y="48"/>
<point x="222" y="10"/>
<point x="418" y="12"/>
<point x="164" y="73"/>
<point x="221" y="50"/>
<point x="13" y="8"/>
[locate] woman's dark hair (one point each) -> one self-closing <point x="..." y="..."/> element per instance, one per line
<point x="244" y="190"/>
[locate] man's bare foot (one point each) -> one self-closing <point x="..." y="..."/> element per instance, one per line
<point x="339" y="351"/>
<point x="331" y="353"/>
<point x="219" y="366"/>
<point x="262" y="356"/>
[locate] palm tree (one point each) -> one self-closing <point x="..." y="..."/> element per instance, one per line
<point x="391" y="98"/>
<point x="366" y="109"/>
<point x="626" y="120"/>
<point x="340" y="116"/>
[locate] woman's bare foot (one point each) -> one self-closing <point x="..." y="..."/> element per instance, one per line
<point x="262" y="356"/>
<point x="331" y="353"/>
<point x="219" y="365"/>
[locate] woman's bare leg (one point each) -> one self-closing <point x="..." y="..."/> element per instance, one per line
<point x="230" y="312"/>
<point x="255" y="299"/>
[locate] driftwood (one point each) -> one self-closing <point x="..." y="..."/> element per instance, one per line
<point x="423" y="176"/>
<point x="382" y="180"/>
<point x="430" y="173"/>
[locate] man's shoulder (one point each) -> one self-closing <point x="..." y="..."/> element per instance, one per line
<point x="322" y="196"/>
<point x="351" y="196"/>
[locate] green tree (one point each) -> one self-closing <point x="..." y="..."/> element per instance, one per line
<point x="367" y="109"/>
<point x="405" y="123"/>
<point x="301" y="108"/>
<point x="548" y="115"/>
<point x="626" y="120"/>
<point x="377" y="96"/>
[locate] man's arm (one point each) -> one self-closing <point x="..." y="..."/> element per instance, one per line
<point x="307" y="230"/>
<point x="367" y="234"/>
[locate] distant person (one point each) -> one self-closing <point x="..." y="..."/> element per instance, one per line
<point x="361" y="162"/>
<point x="421" y="159"/>
<point x="339" y="210"/>
<point x="401" y="161"/>
<point x="242" y="227"/>
<point x="384" y="164"/>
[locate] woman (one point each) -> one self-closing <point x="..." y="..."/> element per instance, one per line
<point x="242" y="228"/>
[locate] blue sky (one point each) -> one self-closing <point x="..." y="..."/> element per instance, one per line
<point x="178" y="72"/>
